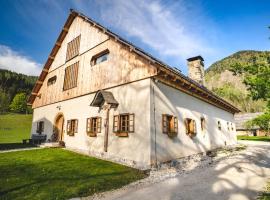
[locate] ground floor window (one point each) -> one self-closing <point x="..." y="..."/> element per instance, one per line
<point x="203" y="124"/>
<point x="169" y="124"/>
<point x="40" y="127"/>
<point x="72" y="127"/>
<point x="219" y="125"/>
<point x="190" y="125"/>
<point x="123" y="123"/>
<point x="93" y="126"/>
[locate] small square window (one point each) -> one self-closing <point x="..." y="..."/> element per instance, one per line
<point x="100" y="57"/>
<point x="191" y="128"/>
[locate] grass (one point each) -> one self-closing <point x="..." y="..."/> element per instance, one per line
<point x="254" y="138"/>
<point x="266" y="194"/>
<point x="14" y="128"/>
<point x="59" y="174"/>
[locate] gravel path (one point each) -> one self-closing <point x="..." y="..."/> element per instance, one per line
<point x="240" y="175"/>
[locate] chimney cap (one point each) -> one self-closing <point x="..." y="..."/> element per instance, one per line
<point x="195" y="58"/>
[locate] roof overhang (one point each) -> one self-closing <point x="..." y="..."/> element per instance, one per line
<point x="104" y="97"/>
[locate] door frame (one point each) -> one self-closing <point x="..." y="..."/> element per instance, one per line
<point x="56" y="120"/>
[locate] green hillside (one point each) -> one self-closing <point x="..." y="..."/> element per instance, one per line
<point x="222" y="81"/>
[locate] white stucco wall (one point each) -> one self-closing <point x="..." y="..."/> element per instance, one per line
<point x="168" y="100"/>
<point x="132" y="98"/>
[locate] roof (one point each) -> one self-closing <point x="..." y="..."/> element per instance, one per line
<point x="103" y="97"/>
<point x="241" y="119"/>
<point x="203" y="92"/>
<point x="195" y="58"/>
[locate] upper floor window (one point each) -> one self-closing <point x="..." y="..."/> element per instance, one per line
<point x="73" y="48"/>
<point x="93" y="126"/>
<point x="219" y="125"/>
<point x="72" y="127"/>
<point x="123" y="124"/>
<point x="100" y="57"/>
<point x="71" y="76"/>
<point x="191" y="129"/>
<point x="51" y="80"/>
<point x="232" y="126"/>
<point x="40" y="127"/>
<point x="169" y="125"/>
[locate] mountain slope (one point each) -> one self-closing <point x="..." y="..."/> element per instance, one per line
<point x="221" y="81"/>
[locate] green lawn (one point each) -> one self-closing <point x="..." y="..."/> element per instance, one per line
<point x="14" y="127"/>
<point x="254" y="138"/>
<point x="59" y="174"/>
<point x="266" y="194"/>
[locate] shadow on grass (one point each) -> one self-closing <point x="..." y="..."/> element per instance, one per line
<point x="10" y="146"/>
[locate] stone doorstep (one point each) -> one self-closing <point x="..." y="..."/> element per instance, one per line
<point x="50" y="145"/>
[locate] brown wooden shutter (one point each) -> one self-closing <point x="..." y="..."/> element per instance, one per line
<point x="75" y="126"/>
<point x="187" y="126"/>
<point x="73" y="48"/>
<point x="164" y="124"/>
<point x="68" y="127"/>
<point x="191" y="127"/>
<point x="131" y="123"/>
<point x="115" y="123"/>
<point x="194" y="126"/>
<point x="88" y="125"/>
<point x="71" y="76"/>
<point x="175" y="125"/>
<point x="99" y="124"/>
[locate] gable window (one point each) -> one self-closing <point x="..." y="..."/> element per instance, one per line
<point x="73" y="48"/>
<point x="51" y="80"/>
<point x="123" y="124"/>
<point x="202" y="123"/>
<point x="40" y="127"/>
<point x="71" y="76"/>
<point x="191" y="129"/>
<point x="100" y="57"/>
<point x="169" y="125"/>
<point x="93" y="126"/>
<point x="72" y="127"/>
<point x="219" y="125"/>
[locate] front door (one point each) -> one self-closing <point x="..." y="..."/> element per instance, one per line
<point x="59" y="122"/>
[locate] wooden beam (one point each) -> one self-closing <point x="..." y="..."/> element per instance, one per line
<point x="45" y="70"/>
<point x="34" y="93"/>
<point x="39" y="82"/>
<point x="65" y="29"/>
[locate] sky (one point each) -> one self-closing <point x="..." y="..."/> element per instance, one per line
<point x="171" y="30"/>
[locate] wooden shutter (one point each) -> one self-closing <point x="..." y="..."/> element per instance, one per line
<point x="187" y="126"/>
<point x="88" y="125"/>
<point x="99" y="124"/>
<point x="164" y="124"/>
<point x="175" y="124"/>
<point x="131" y="123"/>
<point x="75" y="126"/>
<point x="68" y="127"/>
<point x="73" y="48"/>
<point x="116" y="123"/>
<point x="71" y="76"/>
<point x="194" y="127"/>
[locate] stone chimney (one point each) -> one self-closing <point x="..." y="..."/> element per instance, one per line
<point x="196" y="69"/>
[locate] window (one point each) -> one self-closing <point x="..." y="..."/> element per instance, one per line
<point x="71" y="76"/>
<point x="202" y="123"/>
<point x="169" y="125"/>
<point x="40" y="127"/>
<point x="219" y="125"/>
<point x="72" y="127"/>
<point x="51" y="81"/>
<point x="228" y="126"/>
<point x="93" y="126"/>
<point x="191" y="129"/>
<point x="73" y="48"/>
<point x="123" y="123"/>
<point x="99" y="58"/>
<point x="232" y="126"/>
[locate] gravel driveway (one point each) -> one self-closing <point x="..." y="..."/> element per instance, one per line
<point x="240" y="176"/>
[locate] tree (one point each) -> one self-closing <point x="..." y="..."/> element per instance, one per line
<point x="4" y="102"/>
<point x="19" y="104"/>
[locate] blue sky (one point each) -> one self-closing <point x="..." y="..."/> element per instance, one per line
<point x="170" y="30"/>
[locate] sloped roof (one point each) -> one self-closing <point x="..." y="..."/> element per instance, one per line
<point x="102" y="97"/>
<point x="202" y="91"/>
<point x="241" y="119"/>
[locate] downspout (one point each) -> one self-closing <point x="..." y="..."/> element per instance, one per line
<point x="155" y="131"/>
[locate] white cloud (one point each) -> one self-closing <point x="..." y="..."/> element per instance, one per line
<point x="13" y="61"/>
<point x="168" y="30"/>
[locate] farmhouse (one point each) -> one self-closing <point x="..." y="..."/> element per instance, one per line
<point x="101" y="95"/>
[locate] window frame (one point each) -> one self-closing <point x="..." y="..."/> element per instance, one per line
<point x="219" y="125"/>
<point x="51" y="80"/>
<point x="203" y="124"/>
<point x="72" y="127"/>
<point x="40" y="127"/>
<point x="94" y="58"/>
<point x="169" y="124"/>
<point x="190" y="131"/>
<point x="89" y="125"/>
<point x="129" y="124"/>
